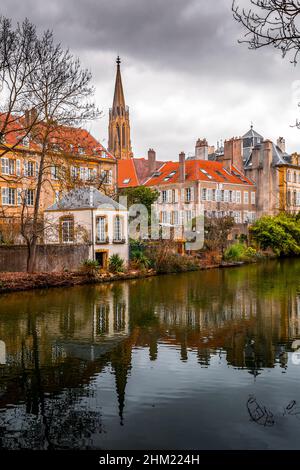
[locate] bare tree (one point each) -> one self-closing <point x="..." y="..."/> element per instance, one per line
<point x="272" y="23"/>
<point x="38" y="75"/>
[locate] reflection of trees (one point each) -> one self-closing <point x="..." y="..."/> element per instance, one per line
<point x="56" y="344"/>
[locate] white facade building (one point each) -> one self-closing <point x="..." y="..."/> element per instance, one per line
<point x="87" y="216"/>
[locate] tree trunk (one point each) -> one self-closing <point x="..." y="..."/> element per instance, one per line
<point x="35" y="222"/>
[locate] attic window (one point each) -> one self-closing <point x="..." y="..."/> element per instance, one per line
<point x="172" y="174"/>
<point x="167" y="178"/>
<point x="156" y="174"/>
<point x="205" y="173"/>
<point x="127" y="181"/>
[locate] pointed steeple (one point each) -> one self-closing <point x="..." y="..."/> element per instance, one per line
<point x="119" y="100"/>
<point x="119" y="143"/>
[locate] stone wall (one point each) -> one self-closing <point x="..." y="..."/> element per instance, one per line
<point x="50" y="258"/>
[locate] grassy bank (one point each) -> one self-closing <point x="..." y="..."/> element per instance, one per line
<point x="14" y="282"/>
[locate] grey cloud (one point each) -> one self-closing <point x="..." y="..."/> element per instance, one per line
<point x="192" y="39"/>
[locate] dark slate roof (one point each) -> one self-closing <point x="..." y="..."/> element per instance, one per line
<point x="279" y="157"/>
<point x="85" y="198"/>
<point x="252" y="134"/>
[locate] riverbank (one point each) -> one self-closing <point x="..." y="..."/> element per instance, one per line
<point x="14" y="282"/>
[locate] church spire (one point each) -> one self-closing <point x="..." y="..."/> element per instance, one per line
<point x="119" y="100"/>
<point x="119" y="143"/>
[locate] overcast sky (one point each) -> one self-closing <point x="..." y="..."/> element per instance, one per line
<point x="184" y="74"/>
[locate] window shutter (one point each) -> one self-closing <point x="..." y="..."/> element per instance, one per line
<point x="18" y="167"/>
<point x="37" y="169"/>
<point x="192" y="194"/>
<point x="160" y="197"/>
<point x="170" y="193"/>
<point x="176" y="196"/>
<point x="4" y="194"/>
<point x="183" y="195"/>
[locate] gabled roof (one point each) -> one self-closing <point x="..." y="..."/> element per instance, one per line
<point x="85" y="198"/>
<point x="134" y="172"/>
<point x="198" y="170"/>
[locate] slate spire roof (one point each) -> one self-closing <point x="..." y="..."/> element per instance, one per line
<point x="119" y="100"/>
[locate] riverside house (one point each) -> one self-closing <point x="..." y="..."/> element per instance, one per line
<point x="87" y="216"/>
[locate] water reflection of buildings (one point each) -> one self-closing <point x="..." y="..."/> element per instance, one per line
<point x="53" y="344"/>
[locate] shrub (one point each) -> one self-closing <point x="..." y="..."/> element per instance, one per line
<point x="234" y="252"/>
<point x="116" y="264"/>
<point x="89" y="267"/>
<point x="250" y="254"/>
<point x="239" y="252"/>
<point x="140" y="260"/>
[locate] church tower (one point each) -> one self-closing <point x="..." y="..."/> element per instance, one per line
<point x="119" y="143"/>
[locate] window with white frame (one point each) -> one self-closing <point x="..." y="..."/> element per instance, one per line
<point x="253" y="198"/>
<point x="5" y="166"/>
<point x="204" y="194"/>
<point x="238" y="197"/>
<point x="67" y="229"/>
<point x="118" y="228"/>
<point x="74" y="172"/>
<point x="164" y="217"/>
<point x="29" y="197"/>
<point x="175" y="218"/>
<point x="188" y="216"/>
<point x="298" y="198"/>
<point x="230" y="196"/>
<point x="164" y="196"/>
<point x="222" y="195"/>
<point x="213" y="197"/>
<point x="188" y="195"/>
<point x="8" y="196"/>
<point x="101" y="229"/>
<point x="29" y="169"/>
<point x="226" y="195"/>
<point x="246" y="197"/>
<point x="238" y="217"/>
<point x="54" y="172"/>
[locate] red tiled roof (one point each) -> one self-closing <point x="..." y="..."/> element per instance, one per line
<point x="135" y="170"/>
<point x="68" y="139"/>
<point x="212" y="171"/>
<point x="127" y="177"/>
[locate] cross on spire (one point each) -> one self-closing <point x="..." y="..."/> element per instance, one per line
<point x="118" y="60"/>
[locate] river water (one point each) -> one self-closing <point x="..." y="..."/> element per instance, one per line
<point x="204" y="360"/>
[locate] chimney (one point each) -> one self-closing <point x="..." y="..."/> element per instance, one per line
<point x="201" y="150"/>
<point x="233" y="154"/>
<point x="151" y="161"/>
<point x="182" y="167"/>
<point x="281" y="144"/>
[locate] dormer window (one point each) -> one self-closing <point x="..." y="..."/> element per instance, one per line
<point x="25" y="141"/>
